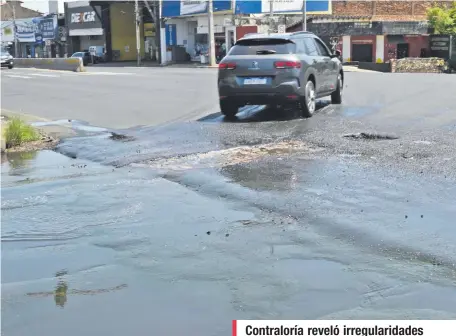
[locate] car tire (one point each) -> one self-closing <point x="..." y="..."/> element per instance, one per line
<point x="10" y="67"/>
<point x="308" y="101"/>
<point x="228" y="108"/>
<point x="336" y="96"/>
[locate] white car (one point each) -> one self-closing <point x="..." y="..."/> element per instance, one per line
<point x="6" y="59"/>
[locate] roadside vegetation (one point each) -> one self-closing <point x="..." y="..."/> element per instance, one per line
<point x="18" y="132"/>
<point x="443" y="19"/>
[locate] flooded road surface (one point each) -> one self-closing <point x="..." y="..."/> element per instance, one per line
<point x="178" y="230"/>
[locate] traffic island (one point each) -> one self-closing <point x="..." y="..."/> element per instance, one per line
<point x="18" y="136"/>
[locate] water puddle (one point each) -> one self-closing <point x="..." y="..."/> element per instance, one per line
<point x="227" y="219"/>
<point x="73" y="124"/>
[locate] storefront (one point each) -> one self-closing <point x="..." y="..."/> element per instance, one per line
<point x="187" y="27"/>
<point x="84" y="27"/>
<point x="402" y="46"/>
<point x="35" y="36"/>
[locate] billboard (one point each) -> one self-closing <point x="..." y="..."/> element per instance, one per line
<point x="173" y="8"/>
<point x="30" y="30"/>
<point x="282" y="6"/>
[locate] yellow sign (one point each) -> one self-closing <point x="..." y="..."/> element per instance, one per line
<point x="149" y="29"/>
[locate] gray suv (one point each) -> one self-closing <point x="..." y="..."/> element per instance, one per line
<point x="279" y="69"/>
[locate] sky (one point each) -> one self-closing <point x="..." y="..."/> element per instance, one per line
<point x="42" y="6"/>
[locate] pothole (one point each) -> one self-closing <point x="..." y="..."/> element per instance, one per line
<point x="231" y="156"/>
<point x="121" y="137"/>
<point x="371" y="136"/>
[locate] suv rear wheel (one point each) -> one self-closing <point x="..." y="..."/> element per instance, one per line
<point x="336" y="96"/>
<point x="228" y="108"/>
<point x="308" y="102"/>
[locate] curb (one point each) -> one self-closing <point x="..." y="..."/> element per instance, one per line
<point x="56" y="131"/>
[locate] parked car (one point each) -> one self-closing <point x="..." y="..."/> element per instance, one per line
<point x="86" y="57"/>
<point x="6" y="59"/>
<point x="279" y="69"/>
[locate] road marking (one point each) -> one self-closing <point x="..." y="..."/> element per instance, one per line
<point x="42" y="75"/>
<point x="18" y="76"/>
<point x="108" y="73"/>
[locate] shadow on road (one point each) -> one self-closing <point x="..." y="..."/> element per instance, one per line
<point x="259" y="113"/>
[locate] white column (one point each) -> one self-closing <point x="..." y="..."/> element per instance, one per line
<point x="380" y="49"/>
<point x="346" y="48"/>
<point x="162" y="32"/>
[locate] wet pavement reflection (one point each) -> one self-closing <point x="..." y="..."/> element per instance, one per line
<point x="180" y="229"/>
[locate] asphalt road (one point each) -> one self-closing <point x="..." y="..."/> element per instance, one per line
<point x="112" y="97"/>
<point x="128" y="97"/>
<point x="179" y="229"/>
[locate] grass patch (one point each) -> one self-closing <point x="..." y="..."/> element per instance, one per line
<point x="18" y="132"/>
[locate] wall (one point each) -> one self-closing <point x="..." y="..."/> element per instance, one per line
<point x="123" y="31"/>
<point x="416" y="43"/>
<point x="399" y="9"/>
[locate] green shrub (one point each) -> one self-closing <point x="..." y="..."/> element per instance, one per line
<point x="17" y="132"/>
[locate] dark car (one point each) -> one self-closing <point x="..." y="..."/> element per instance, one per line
<point x="7" y="60"/>
<point x="279" y="69"/>
<point x="86" y="57"/>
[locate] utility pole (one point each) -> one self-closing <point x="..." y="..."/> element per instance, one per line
<point x="16" y="42"/>
<point x="304" y="15"/>
<point x="138" y="36"/>
<point x="211" y="40"/>
<point x="271" y="14"/>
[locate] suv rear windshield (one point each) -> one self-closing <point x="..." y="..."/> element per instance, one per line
<point x="256" y="46"/>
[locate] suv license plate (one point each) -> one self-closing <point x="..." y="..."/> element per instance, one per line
<point x="255" y="81"/>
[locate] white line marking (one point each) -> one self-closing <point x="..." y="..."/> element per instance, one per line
<point x="107" y="73"/>
<point x="18" y="76"/>
<point x="42" y="75"/>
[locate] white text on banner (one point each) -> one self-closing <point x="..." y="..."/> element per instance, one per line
<point x="344" y="328"/>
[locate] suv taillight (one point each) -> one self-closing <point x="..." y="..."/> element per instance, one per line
<point x="227" y="66"/>
<point x="287" y="65"/>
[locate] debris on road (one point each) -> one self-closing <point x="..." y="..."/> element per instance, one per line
<point x="371" y="136"/>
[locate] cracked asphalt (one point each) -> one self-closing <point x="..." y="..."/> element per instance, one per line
<point x="180" y="228"/>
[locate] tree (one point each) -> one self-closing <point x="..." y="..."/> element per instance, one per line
<point x="443" y="19"/>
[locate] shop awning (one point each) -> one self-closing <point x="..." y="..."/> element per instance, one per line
<point x="396" y="39"/>
<point x="86" y="32"/>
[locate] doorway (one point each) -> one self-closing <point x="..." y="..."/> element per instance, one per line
<point x="362" y="52"/>
<point x="402" y="50"/>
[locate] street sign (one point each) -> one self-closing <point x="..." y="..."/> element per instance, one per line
<point x="281" y="29"/>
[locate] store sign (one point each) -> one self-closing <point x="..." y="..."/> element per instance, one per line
<point x="193" y="7"/>
<point x="83" y="18"/>
<point x="362" y="42"/>
<point x="175" y="8"/>
<point x="48" y="28"/>
<point x="26" y="29"/>
<point x="282" y="6"/>
<point x="171" y="35"/>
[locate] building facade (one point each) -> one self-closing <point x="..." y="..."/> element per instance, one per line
<point x="84" y="27"/>
<point x="374" y="31"/>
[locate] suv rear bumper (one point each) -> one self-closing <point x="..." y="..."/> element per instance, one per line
<point x="260" y="98"/>
<point x="285" y="92"/>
